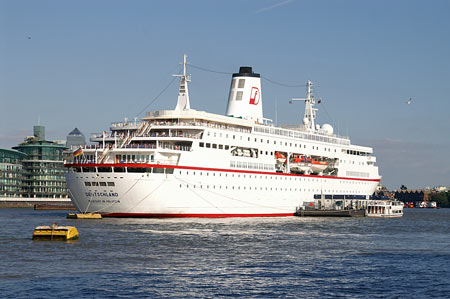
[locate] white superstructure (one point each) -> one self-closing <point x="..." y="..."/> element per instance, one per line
<point x="188" y="163"/>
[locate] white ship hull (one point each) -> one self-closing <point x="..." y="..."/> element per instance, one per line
<point x="195" y="192"/>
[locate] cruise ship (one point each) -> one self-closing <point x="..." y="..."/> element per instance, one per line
<point x="189" y="163"/>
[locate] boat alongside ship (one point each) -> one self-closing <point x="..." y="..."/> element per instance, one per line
<point x="384" y="208"/>
<point x="189" y="163"/>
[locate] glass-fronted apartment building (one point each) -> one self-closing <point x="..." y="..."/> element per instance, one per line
<point x="43" y="167"/>
<point x="11" y="173"/>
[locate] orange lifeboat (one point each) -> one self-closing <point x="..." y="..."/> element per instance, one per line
<point x="300" y="164"/>
<point x="280" y="157"/>
<point x="318" y="166"/>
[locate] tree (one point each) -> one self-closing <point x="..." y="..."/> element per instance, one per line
<point x="441" y="199"/>
<point x="403" y="187"/>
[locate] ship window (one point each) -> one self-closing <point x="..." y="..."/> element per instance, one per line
<point x="220" y="146"/>
<point x="158" y="170"/>
<point x="104" y="169"/>
<point x="169" y="170"/>
<point x="233" y="83"/>
<point x="103" y="184"/>
<point x="136" y="169"/>
<point x="111" y="184"/>
<point x="239" y="96"/>
<point x="77" y="169"/>
<point x="87" y="184"/>
<point x="231" y="95"/>
<point x="201" y="144"/>
<point x="119" y="169"/>
<point x="94" y="183"/>
<point x="241" y="83"/>
<point x="208" y="145"/>
<point x="214" y="146"/>
<point x="227" y="147"/>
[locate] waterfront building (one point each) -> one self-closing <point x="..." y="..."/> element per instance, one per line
<point x="43" y="168"/>
<point x="11" y="173"/>
<point x="75" y="140"/>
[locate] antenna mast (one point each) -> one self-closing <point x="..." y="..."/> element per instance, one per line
<point x="183" y="94"/>
<point x="310" y="111"/>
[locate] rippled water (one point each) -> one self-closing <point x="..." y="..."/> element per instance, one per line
<point x="247" y="257"/>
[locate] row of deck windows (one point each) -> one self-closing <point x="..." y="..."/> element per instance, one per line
<point x="124" y="169"/>
<point x="213" y="145"/>
<point x="226" y="187"/>
<point x="102" y="184"/>
<point x="274" y="177"/>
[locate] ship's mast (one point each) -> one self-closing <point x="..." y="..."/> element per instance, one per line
<point x="310" y="111"/>
<point x="183" y="94"/>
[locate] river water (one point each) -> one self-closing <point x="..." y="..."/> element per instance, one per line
<point x="233" y="257"/>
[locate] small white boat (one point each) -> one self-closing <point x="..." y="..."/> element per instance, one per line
<point x="384" y="208"/>
<point x="428" y="204"/>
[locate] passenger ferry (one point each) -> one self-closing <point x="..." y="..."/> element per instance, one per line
<point x="384" y="208"/>
<point x="189" y="163"/>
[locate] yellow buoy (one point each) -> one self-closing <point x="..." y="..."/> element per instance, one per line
<point x="55" y="232"/>
<point x="84" y="216"/>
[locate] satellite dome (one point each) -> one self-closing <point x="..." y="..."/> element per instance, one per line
<point x="328" y="129"/>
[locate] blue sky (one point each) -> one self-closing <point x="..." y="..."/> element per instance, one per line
<point x="86" y="64"/>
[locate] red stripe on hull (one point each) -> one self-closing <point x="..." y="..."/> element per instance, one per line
<point x="214" y="169"/>
<point x="151" y="215"/>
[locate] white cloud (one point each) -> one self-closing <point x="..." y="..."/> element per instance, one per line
<point x="267" y="8"/>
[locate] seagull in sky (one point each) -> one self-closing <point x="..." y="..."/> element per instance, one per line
<point x="409" y="101"/>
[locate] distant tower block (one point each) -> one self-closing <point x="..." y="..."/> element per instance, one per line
<point x="245" y="98"/>
<point x="75" y="139"/>
<point x="39" y="132"/>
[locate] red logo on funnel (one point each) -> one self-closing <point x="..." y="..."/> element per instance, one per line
<point x="254" y="96"/>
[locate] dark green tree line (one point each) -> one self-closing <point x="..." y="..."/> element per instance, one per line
<point x="442" y="199"/>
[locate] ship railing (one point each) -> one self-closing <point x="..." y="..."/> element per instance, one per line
<point x="143" y="146"/>
<point x="135" y="161"/>
<point x="302" y="135"/>
<point x="175" y="147"/>
<point x="172" y="134"/>
<point x="126" y="125"/>
<point x="200" y="123"/>
<point x="172" y="123"/>
<point x="156" y="161"/>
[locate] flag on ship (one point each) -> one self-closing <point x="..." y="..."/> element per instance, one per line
<point x="78" y="152"/>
